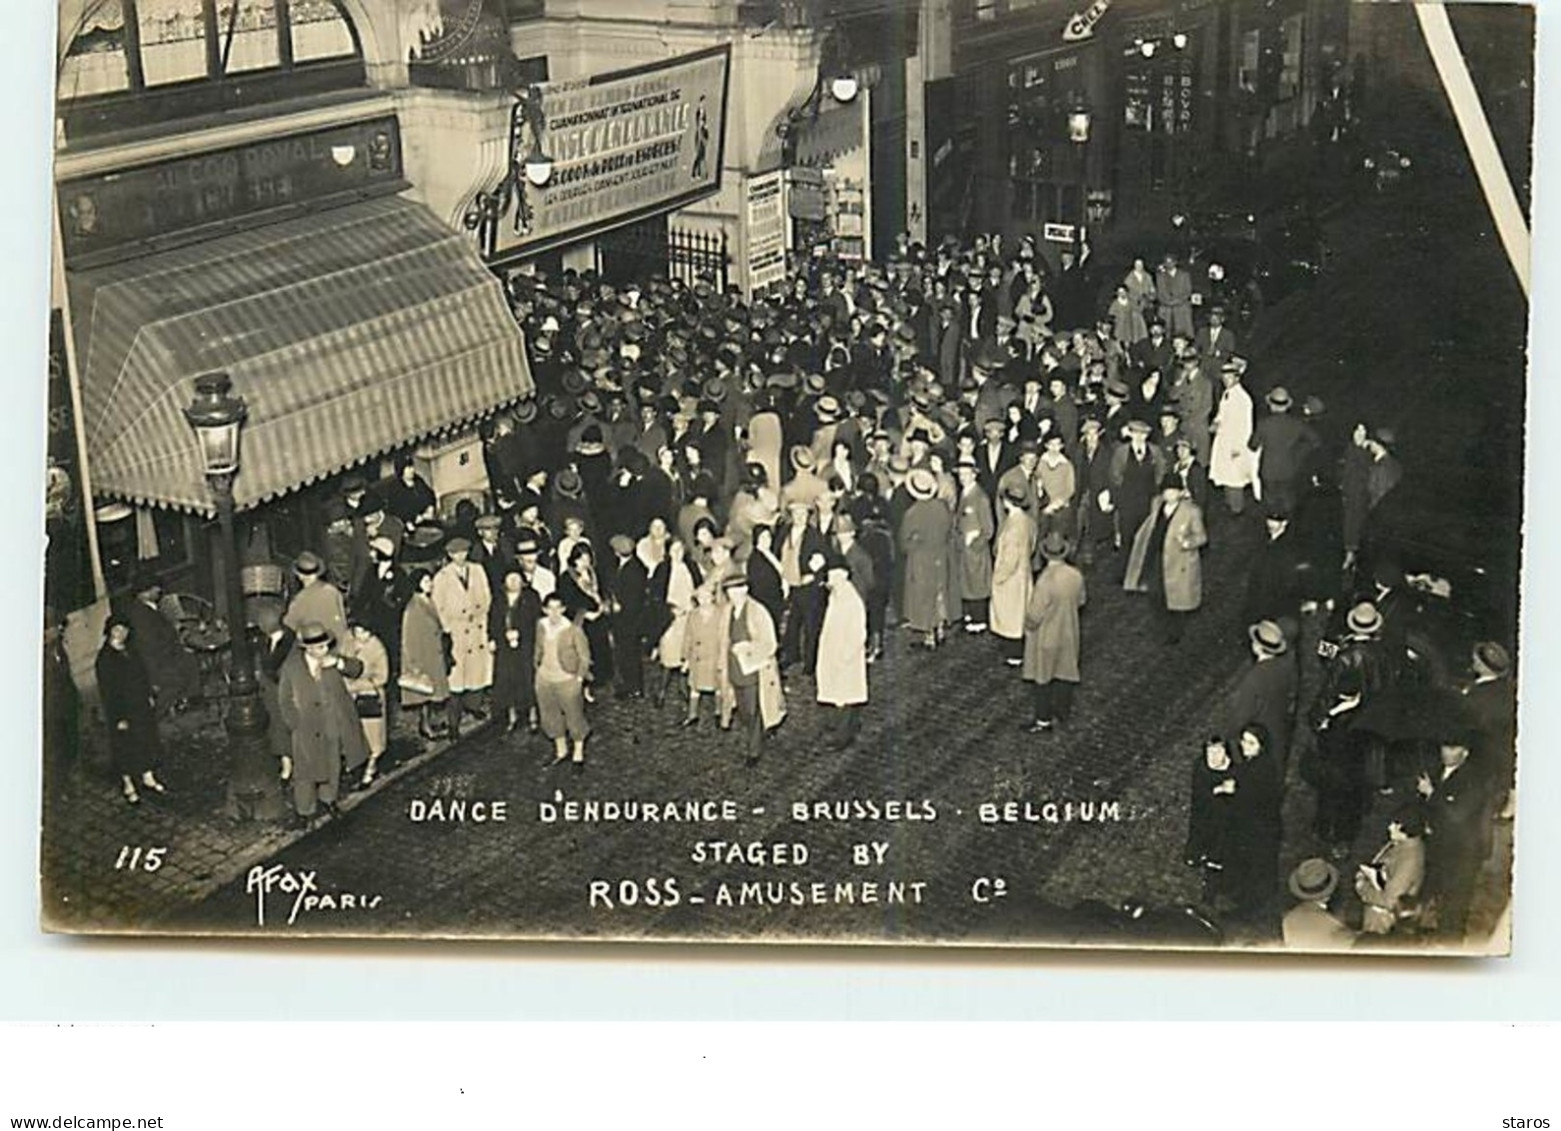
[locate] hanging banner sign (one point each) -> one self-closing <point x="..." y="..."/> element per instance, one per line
<point x="765" y="224"/>
<point x="624" y="146"/>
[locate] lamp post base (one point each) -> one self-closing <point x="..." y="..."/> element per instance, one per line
<point x="255" y="789"/>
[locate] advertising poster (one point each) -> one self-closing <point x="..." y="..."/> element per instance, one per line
<point x="624" y="145"/>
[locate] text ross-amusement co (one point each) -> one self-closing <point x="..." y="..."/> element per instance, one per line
<point x="624" y="145"/>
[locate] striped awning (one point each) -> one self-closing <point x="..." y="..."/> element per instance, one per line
<point x="349" y="333"/>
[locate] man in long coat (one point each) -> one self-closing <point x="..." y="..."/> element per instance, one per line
<point x="317" y="709"/>
<point x="1193" y="393"/>
<point x="1267" y="690"/>
<point x="842" y="656"/>
<point x="972" y="532"/>
<point x="1051" y="639"/>
<point x="626" y="583"/>
<point x="318" y="602"/>
<point x="1165" y="560"/>
<point x="1457" y="793"/>
<point x="1173" y="291"/>
<point x="462" y="599"/>
<point x="924" y="546"/>
<point x="1137" y="467"/>
<point x="750" y="685"/>
<point x="1016" y="538"/>
<point x="1230" y="464"/>
<point x="1285" y="444"/>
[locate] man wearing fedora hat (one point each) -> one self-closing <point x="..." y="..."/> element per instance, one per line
<point x="805" y="485"/>
<point x="842" y="655"/>
<point x="463" y="599"/>
<point x="326" y="736"/>
<point x="1166" y="558"/>
<point x="1371" y="472"/>
<point x="1493" y="705"/>
<point x="1267" y="689"/>
<point x="1311" y="924"/>
<point x="923" y="542"/>
<point x="1137" y="467"/>
<point x="1051" y="640"/>
<point x="750" y="683"/>
<point x="317" y="601"/>
<point x="971" y="550"/>
<point x="1284" y="444"/>
<point x="1274" y="578"/>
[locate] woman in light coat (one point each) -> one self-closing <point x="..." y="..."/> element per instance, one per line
<point x="842" y="657"/>
<point x="1231" y="463"/>
<point x="1011" y="576"/>
<point x="368" y="694"/>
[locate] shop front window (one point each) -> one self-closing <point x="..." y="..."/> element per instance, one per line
<point x="97" y="62"/>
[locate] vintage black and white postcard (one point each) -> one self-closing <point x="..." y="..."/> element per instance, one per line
<point x="989" y="472"/>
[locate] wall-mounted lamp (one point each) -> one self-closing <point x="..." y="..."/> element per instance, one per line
<point x="1179" y="41"/>
<point x="1078" y="126"/>
<point x="844" y="87"/>
<point x="527" y="165"/>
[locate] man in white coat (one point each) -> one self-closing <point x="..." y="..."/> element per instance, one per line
<point x="842" y="656"/>
<point x="1232" y="467"/>
<point x="462" y="597"/>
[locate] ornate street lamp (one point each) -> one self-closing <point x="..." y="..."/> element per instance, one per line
<point x="217" y="418"/>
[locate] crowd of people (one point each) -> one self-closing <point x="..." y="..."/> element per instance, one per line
<point x="714" y="498"/>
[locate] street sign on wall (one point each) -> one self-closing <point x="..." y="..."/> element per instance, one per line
<point x="624" y="145"/>
<point x="764" y="225"/>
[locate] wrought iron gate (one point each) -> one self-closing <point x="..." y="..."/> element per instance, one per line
<point x="647" y="249"/>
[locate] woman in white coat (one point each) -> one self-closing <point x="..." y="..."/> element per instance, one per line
<point x="1011" y="574"/>
<point x="1231" y="465"/>
<point x="842" y="656"/>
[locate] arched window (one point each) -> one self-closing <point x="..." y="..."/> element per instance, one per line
<point x="140" y="62"/>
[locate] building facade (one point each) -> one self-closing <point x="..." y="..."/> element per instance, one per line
<point x="1104" y="113"/>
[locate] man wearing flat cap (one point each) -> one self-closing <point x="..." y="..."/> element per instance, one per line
<point x="463" y="599"/>
<point x="325" y="735"/>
